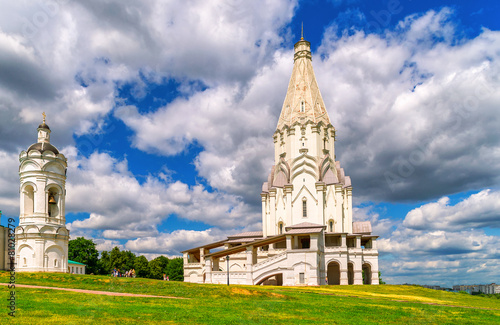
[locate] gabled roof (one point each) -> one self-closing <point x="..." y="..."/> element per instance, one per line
<point x="241" y="248"/>
<point x="77" y="263"/>
<point x="243" y="240"/>
<point x="298" y="231"/>
<point x="208" y="246"/>
<point x="247" y="234"/>
<point x="361" y="227"/>
<point x="305" y="225"/>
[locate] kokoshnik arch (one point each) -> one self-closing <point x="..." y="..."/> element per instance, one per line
<point x="308" y="236"/>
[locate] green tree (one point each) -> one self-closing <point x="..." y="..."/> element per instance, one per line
<point x="128" y="260"/>
<point x="175" y="269"/>
<point x="83" y="251"/>
<point x="380" y="281"/>
<point x="104" y="263"/>
<point x="121" y="260"/>
<point x="141" y="267"/>
<point x="158" y="267"/>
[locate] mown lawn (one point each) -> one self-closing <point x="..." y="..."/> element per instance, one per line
<point x="220" y="304"/>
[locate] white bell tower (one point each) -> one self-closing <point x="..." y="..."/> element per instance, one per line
<point x="42" y="237"/>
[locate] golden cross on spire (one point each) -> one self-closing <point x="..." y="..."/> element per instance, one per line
<point x="44" y="116"/>
<point x="302" y="32"/>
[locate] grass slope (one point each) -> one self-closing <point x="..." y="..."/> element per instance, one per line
<point x="220" y="304"/>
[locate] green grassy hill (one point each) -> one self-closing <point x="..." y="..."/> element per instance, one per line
<point x="220" y="304"/>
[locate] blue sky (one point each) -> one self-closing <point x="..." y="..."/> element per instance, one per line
<point x="166" y="112"/>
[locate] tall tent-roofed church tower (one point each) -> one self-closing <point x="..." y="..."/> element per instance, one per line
<point x="42" y="237"/>
<point x="306" y="184"/>
<point x="308" y="235"/>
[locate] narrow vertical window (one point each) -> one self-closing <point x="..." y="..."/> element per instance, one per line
<point x="29" y="200"/>
<point x="302" y="107"/>
<point x="302" y="278"/>
<point x="280" y="226"/>
<point x="304" y="208"/>
<point x="331" y="226"/>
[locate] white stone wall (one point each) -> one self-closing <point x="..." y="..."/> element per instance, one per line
<point x="296" y="266"/>
<point x="76" y="269"/>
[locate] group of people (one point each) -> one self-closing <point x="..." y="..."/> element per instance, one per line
<point x="127" y="274"/>
<point x="131" y="274"/>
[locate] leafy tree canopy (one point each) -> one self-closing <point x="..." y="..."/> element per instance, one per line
<point x="141" y="267"/>
<point x="175" y="269"/>
<point x="158" y="267"/>
<point x="83" y="251"/>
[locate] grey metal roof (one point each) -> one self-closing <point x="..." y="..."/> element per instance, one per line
<point x="43" y="126"/>
<point x="43" y="146"/>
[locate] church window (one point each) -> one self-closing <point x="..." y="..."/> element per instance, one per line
<point x="304" y="208"/>
<point x="280" y="228"/>
<point x="302" y="107"/>
<point x="330" y="225"/>
<point x="55" y="263"/>
<point x="29" y="195"/>
<point x="24" y="260"/>
<point x="302" y="278"/>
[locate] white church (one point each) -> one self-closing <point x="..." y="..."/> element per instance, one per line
<point x="308" y="236"/>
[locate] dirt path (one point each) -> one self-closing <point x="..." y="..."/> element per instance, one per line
<point x="94" y="292"/>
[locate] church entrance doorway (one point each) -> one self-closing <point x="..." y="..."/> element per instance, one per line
<point x="272" y="280"/>
<point x="367" y="274"/>
<point x="350" y="273"/>
<point x="333" y="273"/>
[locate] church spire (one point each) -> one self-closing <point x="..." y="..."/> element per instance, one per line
<point x="303" y="101"/>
